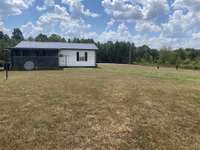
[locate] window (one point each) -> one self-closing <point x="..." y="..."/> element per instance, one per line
<point x="77" y="56"/>
<point x="86" y="56"/>
<point x="83" y="57"/>
<point x="17" y="53"/>
<point x="29" y="53"/>
<point x="41" y="53"/>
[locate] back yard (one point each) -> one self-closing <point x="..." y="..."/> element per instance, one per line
<point x="112" y="107"/>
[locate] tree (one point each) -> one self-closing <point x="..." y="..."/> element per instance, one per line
<point x="63" y="40"/>
<point x="181" y="54"/>
<point x="1" y="35"/>
<point x="86" y="41"/>
<point x="75" y="40"/>
<point x="6" y="37"/>
<point x="192" y="53"/>
<point x="143" y="53"/>
<point x="42" y="38"/>
<point x="5" y="42"/>
<point x="30" y="38"/>
<point x="17" y="35"/>
<point x="56" y="38"/>
<point x="155" y="55"/>
<point x="178" y="62"/>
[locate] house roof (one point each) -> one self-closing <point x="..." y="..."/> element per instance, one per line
<point x="55" y="45"/>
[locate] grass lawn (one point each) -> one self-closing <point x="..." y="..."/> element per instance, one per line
<point x="112" y="107"/>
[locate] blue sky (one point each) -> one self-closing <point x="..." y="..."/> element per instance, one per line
<point x="157" y="23"/>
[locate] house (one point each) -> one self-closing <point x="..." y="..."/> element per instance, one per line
<point x="30" y="55"/>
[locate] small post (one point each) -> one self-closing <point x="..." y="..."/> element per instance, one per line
<point x="177" y="67"/>
<point x="6" y="61"/>
<point x="130" y="56"/>
<point x="6" y="68"/>
<point x="6" y="74"/>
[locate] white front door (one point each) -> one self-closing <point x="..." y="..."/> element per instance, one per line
<point x="63" y="61"/>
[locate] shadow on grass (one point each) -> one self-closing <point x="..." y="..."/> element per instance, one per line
<point x="48" y="69"/>
<point x="98" y="67"/>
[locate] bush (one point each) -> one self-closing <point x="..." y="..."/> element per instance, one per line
<point x="190" y="66"/>
<point x="187" y="61"/>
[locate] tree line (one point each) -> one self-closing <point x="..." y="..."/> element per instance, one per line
<point x="120" y="52"/>
<point x="117" y="52"/>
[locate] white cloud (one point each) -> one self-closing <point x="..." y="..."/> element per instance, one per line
<point x="196" y="36"/>
<point x="184" y="21"/>
<point x="143" y="13"/>
<point x="122" y="34"/>
<point x="146" y="27"/>
<point x="59" y="17"/>
<point x="129" y="10"/>
<point x="13" y="7"/>
<point x="176" y="26"/>
<point x="57" y="20"/>
<point x="41" y="8"/>
<point x="30" y="29"/>
<point x="155" y="9"/>
<point x="191" y="5"/>
<point x="121" y="10"/>
<point x="47" y="3"/>
<point x="77" y="9"/>
<point x="110" y="24"/>
<point x="4" y="29"/>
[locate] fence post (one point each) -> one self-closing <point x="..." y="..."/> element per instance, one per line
<point x="6" y="71"/>
<point x="130" y="56"/>
<point x="6" y="61"/>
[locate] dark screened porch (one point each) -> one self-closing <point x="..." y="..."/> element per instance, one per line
<point x="38" y="58"/>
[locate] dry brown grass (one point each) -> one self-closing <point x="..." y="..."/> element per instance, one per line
<point x="112" y="107"/>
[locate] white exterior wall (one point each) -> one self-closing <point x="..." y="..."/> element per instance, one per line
<point x="69" y="59"/>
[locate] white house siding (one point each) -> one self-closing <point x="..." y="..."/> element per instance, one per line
<point x="68" y="58"/>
